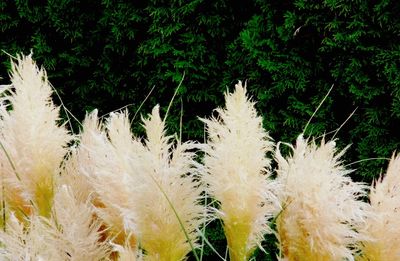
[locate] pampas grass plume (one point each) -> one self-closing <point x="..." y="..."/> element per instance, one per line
<point x="321" y="211"/>
<point x="70" y="234"/>
<point x="383" y="227"/>
<point x="33" y="242"/>
<point x="168" y="203"/>
<point x="146" y="192"/>
<point x="75" y="230"/>
<point x="237" y="173"/>
<point x="107" y="175"/>
<point x="33" y="144"/>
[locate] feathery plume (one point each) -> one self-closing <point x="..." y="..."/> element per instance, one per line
<point x="107" y="173"/>
<point x="32" y="143"/>
<point x="168" y="207"/>
<point x="19" y="242"/>
<point x="237" y="173"/>
<point x="321" y="213"/>
<point x="135" y="184"/>
<point x="75" y="228"/>
<point x="383" y="226"/>
<point x="70" y="234"/>
<point x="71" y="176"/>
<point x="126" y="253"/>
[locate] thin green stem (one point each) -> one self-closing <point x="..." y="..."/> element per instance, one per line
<point x="319" y="106"/>
<point x="10" y="160"/>
<point x="173" y="97"/>
<point x="181" y="122"/>
<point x="65" y="109"/>
<point x="3" y="204"/>
<point x="141" y="105"/>
<point x="359" y="161"/>
<point x="211" y="246"/>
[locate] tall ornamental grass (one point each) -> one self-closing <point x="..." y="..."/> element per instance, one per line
<point x="135" y="184"/>
<point x="105" y="194"/>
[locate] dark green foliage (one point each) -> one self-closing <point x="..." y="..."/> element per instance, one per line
<point x="291" y="52"/>
<point x="271" y="252"/>
<point x="215" y="235"/>
<point x="108" y="54"/>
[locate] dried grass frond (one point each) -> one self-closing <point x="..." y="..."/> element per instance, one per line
<point x="71" y="234"/>
<point x="75" y="228"/>
<point x="71" y="176"/>
<point x="134" y="184"/>
<point x="33" y="144"/>
<point x="108" y="174"/>
<point x="168" y="203"/>
<point x="383" y="227"/>
<point x="33" y="242"/>
<point x="321" y="211"/>
<point x="237" y="173"/>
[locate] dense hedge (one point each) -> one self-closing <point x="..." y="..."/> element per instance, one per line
<point x="107" y="54"/>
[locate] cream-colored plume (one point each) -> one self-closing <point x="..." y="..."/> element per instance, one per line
<point x="19" y="242"/>
<point x="383" y="227"/>
<point x="321" y="211"/>
<point x="135" y="183"/>
<point x="238" y="175"/>
<point x="167" y="204"/>
<point x="71" y="234"/>
<point x="108" y="175"/>
<point x="75" y="229"/>
<point x="32" y="143"/>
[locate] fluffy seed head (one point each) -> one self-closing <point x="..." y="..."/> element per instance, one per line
<point x="70" y="234"/>
<point x="33" y="242"/>
<point x="237" y="173"/>
<point x="168" y="202"/>
<point x="321" y="213"/>
<point x="383" y="226"/>
<point x="75" y="227"/>
<point x="136" y="183"/>
<point x="32" y="142"/>
<point x="107" y="172"/>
